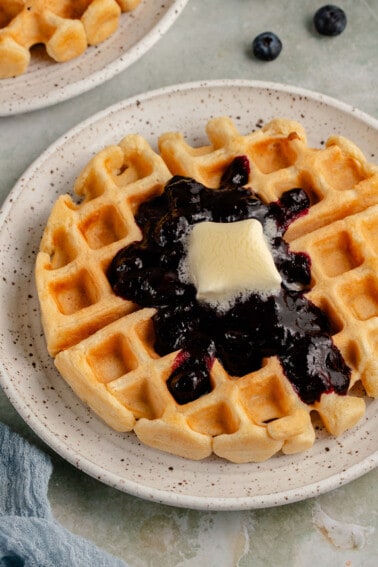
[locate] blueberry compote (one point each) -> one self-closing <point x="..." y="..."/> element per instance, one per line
<point x="286" y="325"/>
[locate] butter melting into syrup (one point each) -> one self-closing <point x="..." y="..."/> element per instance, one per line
<point x="286" y="325"/>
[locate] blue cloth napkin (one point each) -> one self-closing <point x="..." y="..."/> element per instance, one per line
<point x="29" y="534"/>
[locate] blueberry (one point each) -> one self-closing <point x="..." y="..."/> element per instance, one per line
<point x="330" y="20"/>
<point x="296" y="268"/>
<point x="237" y="173"/>
<point x="266" y="46"/>
<point x="190" y="380"/>
<point x="291" y="205"/>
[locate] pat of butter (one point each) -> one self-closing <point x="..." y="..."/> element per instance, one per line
<point x="226" y="260"/>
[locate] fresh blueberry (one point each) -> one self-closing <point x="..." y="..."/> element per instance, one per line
<point x="267" y="46"/>
<point x="330" y="20"/>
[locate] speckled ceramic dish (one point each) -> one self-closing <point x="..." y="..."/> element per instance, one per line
<point x="46" y="402"/>
<point x="46" y="82"/>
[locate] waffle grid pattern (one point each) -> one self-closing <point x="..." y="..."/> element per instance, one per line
<point x="81" y="240"/>
<point x="116" y="370"/>
<point x="345" y="285"/>
<point x="65" y="27"/>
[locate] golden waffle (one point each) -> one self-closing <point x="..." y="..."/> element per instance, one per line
<point x="80" y="241"/>
<point x="65" y="27"/>
<point x="104" y="346"/>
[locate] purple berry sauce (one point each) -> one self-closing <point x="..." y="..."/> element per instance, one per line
<point x="286" y="325"/>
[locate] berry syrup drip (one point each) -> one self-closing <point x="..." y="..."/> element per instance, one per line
<point x="286" y="325"/>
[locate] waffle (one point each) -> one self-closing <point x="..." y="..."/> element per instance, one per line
<point x="66" y="28"/>
<point x="104" y="346"/>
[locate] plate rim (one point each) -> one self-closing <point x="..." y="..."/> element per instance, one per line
<point x="186" y="86"/>
<point x="96" y="78"/>
<point x="84" y="463"/>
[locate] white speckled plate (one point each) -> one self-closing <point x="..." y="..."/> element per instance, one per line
<point x="46" y="82"/>
<point x="41" y="396"/>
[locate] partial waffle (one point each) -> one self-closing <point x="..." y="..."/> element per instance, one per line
<point x="104" y="346"/>
<point x="66" y="28"/>
<point x="80" y="241"/>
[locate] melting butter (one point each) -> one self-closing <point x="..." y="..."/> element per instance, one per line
<point x="226" y="260"/>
